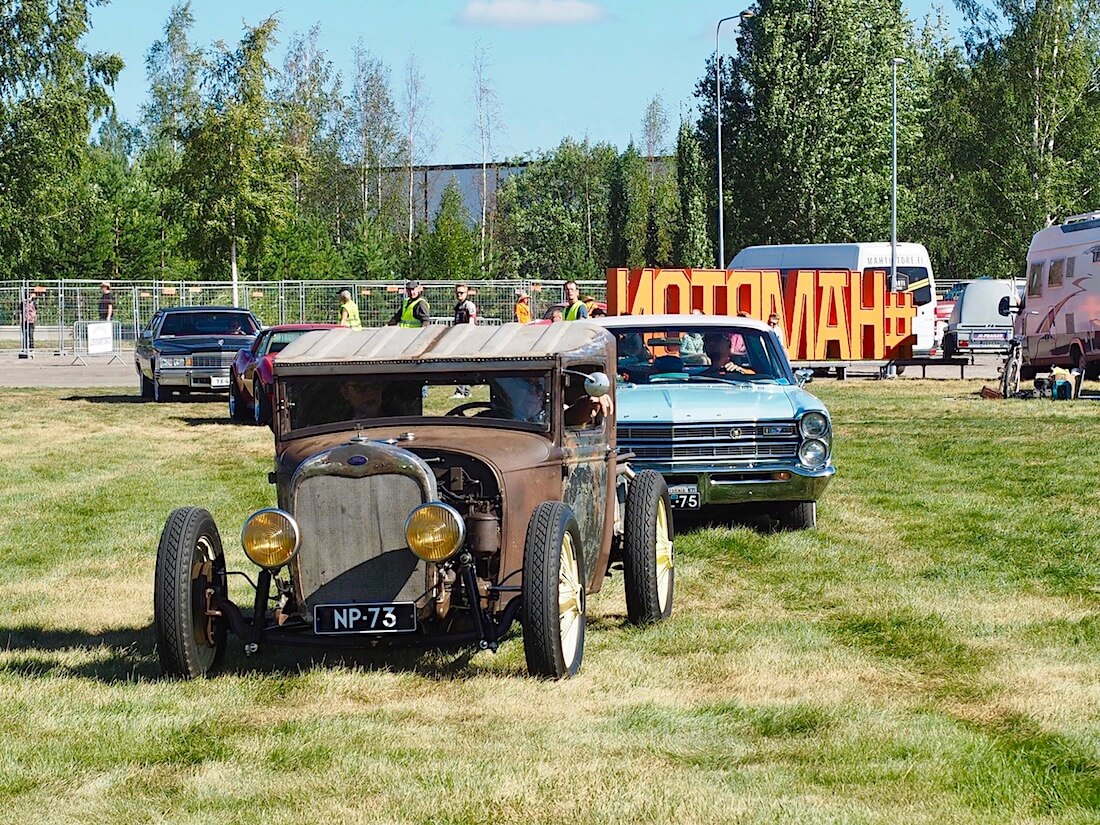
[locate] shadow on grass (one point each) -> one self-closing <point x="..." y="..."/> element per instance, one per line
<point x="107" y="399"/>
<point x="129" y="654"/>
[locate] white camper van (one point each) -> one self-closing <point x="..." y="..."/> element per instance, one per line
<point x="914" y="271"/>
<point x="1059" y="322"/>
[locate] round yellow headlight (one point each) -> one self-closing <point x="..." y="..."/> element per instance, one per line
<point x="270" y="538"/>
<point x="435" y="531"/>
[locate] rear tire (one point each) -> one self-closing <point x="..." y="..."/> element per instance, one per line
<point x="261" y="404"/>
<point x="553" y="593"/>
<point x="649" y="574"/>
<point x="190" y="562"/>
<point x="798" y="515"/>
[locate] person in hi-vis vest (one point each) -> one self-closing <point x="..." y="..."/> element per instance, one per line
<point x="414" y="309"/>
<point x="574" y="306"/>
<point x="349" y="311"/>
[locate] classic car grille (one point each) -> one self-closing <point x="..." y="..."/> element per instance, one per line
<point x="212" y="359"/>
<point x="353" y="540"/>
<point x="729" y="444"/>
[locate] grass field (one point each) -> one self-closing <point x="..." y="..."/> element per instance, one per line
<point x="930" y="654"/>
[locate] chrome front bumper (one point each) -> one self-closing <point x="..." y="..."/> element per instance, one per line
<point x="199" y="378"/>
<point x="743" y="486"/>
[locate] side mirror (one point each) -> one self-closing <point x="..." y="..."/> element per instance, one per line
<point x="597" y="384"/>
<point x="1004" y="306"/>
<point x="804" y="376"/>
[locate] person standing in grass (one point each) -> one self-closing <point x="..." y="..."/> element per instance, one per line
<point x="28" y="318"/>
<point x="349" y="311"/>
<point x="106" y="302"/>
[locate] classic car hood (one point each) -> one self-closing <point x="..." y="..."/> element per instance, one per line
<point x="711" y="402"/>
<point x="205" y="343"/>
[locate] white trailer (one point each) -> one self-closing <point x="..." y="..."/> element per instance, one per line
<point x="914" y="272"/>
<point x="1059" y="322"/>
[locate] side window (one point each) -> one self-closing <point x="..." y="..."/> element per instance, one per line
<point x="1070" y="261"/>
<point x="581" y="410"/>
<point x="1035" y="280"/>
<point x="1054" y="274"/>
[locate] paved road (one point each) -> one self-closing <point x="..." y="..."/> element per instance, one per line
<point x="47" y="370"/>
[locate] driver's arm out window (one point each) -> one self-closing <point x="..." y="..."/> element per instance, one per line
<point x="582" y="411"/>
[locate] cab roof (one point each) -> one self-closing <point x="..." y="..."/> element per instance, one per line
<point x="331" y="350"/>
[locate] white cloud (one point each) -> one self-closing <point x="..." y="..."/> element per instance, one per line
<point x="527" y="13"/>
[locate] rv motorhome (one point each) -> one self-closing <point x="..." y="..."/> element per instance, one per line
<point x="1058" y="324"/>
<point x="914" y="272"/>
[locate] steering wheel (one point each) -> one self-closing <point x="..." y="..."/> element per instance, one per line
<point x="462" y="409"/>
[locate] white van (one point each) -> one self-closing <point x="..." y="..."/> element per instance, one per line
<point x="1059" y="322"/>
<point x="914" y="272"/>
<point x="976" y="324"/>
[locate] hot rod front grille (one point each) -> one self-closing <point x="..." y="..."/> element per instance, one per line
<point x="353" y="540"/>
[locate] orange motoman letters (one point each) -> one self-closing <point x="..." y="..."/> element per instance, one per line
<point x="825" y="313"/>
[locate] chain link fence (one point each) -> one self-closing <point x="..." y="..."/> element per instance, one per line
<point x="64" y="306"/>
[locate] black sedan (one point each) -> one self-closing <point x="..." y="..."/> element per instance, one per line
<point x="191" y="348"/>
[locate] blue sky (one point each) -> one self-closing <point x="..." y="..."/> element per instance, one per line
<point x="559" y="67"/>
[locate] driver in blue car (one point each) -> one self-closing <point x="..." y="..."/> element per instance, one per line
<point x="719" y="350"/>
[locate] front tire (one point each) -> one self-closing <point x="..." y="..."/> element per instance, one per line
<point x="190" y="562"/>
<point x="553" y="593"/>
<point x="798" y="515"/>
<point x="649" y="574"/>
<point x="261" y="404"/>
<point x="145" y="384"/>
<point x="237" y="410"/>
<point x="160" y="393"/>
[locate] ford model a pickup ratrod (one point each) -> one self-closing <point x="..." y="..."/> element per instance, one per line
<point x="412" y="513"/>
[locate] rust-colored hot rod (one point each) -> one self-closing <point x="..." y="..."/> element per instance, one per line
<point x="434" y="485"/>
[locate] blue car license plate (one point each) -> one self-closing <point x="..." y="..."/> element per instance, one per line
<point x="394" y="617"/>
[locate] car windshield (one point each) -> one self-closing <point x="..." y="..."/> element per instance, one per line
<point x="208" y="323"/>
<point x="520" y="399"/>
<point x="704" y="353"/>
<point x="280" y="339"/>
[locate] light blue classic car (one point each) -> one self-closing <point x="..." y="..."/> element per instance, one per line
<point x="712" y="404"/>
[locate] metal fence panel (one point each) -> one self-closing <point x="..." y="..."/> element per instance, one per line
<point x="65" y="304"/>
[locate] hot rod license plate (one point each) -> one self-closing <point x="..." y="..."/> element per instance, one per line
<point x="396" y="617"/>
<point x="684" y="496"/>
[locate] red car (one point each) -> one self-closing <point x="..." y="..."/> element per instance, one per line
<point x="250" y="375"/>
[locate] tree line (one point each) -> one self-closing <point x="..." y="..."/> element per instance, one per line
<point x="239" y="166"/>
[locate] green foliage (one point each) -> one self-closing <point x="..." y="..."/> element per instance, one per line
<point x="233" y="176"/>
<point x="50" y="92"/>
<point x="554" y="215"/>
<point x="301" y="250"/>
<point x="806" y="126"/>
<point x="449" y="251"/>
<point x="374" y="252"/>
<point x="692" y="245"/>
<point x="628" y="209"/>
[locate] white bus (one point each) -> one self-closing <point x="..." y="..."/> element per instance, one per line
<point x="914" y="272"/>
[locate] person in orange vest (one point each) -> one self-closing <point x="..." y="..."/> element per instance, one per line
<point x="574" y="306"/>
<point x="522" y="311"/>
<point x="414" y="311"/>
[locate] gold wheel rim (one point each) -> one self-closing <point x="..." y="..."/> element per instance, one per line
<point x="664" y="560"/>
<point x="570" y="601"/>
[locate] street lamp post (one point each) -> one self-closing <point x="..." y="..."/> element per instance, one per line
<point x="745" y="15"/>
<point x="894" y="63"/>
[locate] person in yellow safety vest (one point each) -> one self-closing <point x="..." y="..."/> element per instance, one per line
<point x="574" y="306"/>
<point x="414" y="311"/>
<point x="349" y="311"/>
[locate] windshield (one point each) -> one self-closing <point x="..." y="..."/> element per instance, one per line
<point x="519" y="398"/>
<point x="208" y="323"/>
<point x="705" y="353"/>
<point x="280" y="340"/>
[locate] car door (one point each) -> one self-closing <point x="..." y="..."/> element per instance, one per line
<point x="143" y="349"/>
<point x="588" y="459"/>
